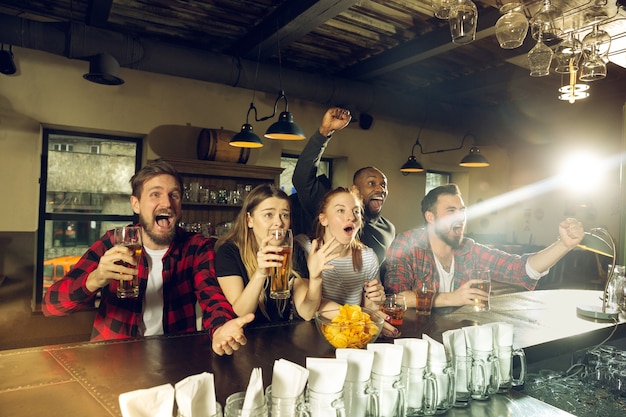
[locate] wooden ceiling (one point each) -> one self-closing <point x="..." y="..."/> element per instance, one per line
<point x="396" y="44"/>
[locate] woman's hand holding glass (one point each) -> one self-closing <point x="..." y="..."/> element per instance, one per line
<point x="268" y="257"/>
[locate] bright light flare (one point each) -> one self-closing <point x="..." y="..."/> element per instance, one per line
<point x="581" y="171"/>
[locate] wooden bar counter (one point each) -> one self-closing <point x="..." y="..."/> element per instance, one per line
<point x="86" y="379"/>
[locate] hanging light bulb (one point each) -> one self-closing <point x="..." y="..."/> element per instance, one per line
<point x="573" y="91"/>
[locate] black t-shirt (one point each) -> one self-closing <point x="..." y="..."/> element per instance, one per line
<point x="228" y="262"/>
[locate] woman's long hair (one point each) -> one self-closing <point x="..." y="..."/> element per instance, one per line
<point x="243" y="236"/>
<point x="318" y="229"/>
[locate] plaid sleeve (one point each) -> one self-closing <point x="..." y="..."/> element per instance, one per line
<point x="401" y="273"/>
<point x="216" y="308"/>
<point x="70" y="294"/>
<point x="505" y="267"/>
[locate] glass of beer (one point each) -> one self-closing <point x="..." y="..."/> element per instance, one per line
<point x="484" y="276"/>
<point x="279" y="276"/>
<point x="129" y="236"/>
<point x="424" y="297"/>
<point x="394" y="306"/>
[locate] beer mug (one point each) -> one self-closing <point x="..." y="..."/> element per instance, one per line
<point x="418" y="381"/>
<point x="286" y="407"/>
<point x="505" y="355"/>
<point x="391" y="394"/>
<point x="462" y="374"/>
<point x="218" y="412"/>
<point x="324" y="404"/>
<point x="485" y="375"/>
<point x="234" y="407"/>
<point x="360" y="399"/>
<point x="443" y="393"/>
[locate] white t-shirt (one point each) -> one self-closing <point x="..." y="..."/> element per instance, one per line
<point x="445" y="278"/>
<point x="153" y="302"/>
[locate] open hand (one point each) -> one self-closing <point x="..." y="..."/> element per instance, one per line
<point x="320" y="256"/>
<point x="230" y="337"/>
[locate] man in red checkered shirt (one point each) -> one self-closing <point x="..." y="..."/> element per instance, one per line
<point x="439" y="253"/>
<point x="175" y="272"/>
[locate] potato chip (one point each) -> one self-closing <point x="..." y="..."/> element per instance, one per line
<point x="350" y="328"/>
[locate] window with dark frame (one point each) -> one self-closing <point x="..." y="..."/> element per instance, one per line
<point x="84" y="191"/>
<point x="435" y="179"/>
<point x="288" y="163"/>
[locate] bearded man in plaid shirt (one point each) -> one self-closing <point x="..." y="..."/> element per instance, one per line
<point x="441" y="254"/>
<point x="175" y="272"/>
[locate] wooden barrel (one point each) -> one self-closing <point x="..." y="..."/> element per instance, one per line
<point x="213" y="145"/>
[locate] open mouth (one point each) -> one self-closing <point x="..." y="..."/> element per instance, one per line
<point x="163" y="220"/>
<point x="457" y="229"/>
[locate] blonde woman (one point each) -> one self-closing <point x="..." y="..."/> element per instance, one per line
<point x="244" y="257"/>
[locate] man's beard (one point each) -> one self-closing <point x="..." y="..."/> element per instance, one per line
<point x="452" y="241"/>
<point x="148" y="228"/>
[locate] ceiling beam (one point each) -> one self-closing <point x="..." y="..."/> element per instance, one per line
<point x="287" y="24"/>
<point x="419" y="49"/>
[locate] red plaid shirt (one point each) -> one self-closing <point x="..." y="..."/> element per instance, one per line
<point x="188" y="275"/>
<point x="410" y="259"/>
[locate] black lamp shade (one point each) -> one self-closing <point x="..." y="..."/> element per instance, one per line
<point x="411" y="165"/>
<point x="7" y="64"/>
<point x="285" y="128"/>
<point x="246" y="138"/>
<point x="474" y="159"/>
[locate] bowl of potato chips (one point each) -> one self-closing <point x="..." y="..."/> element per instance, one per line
<point x="349" y="326"/>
